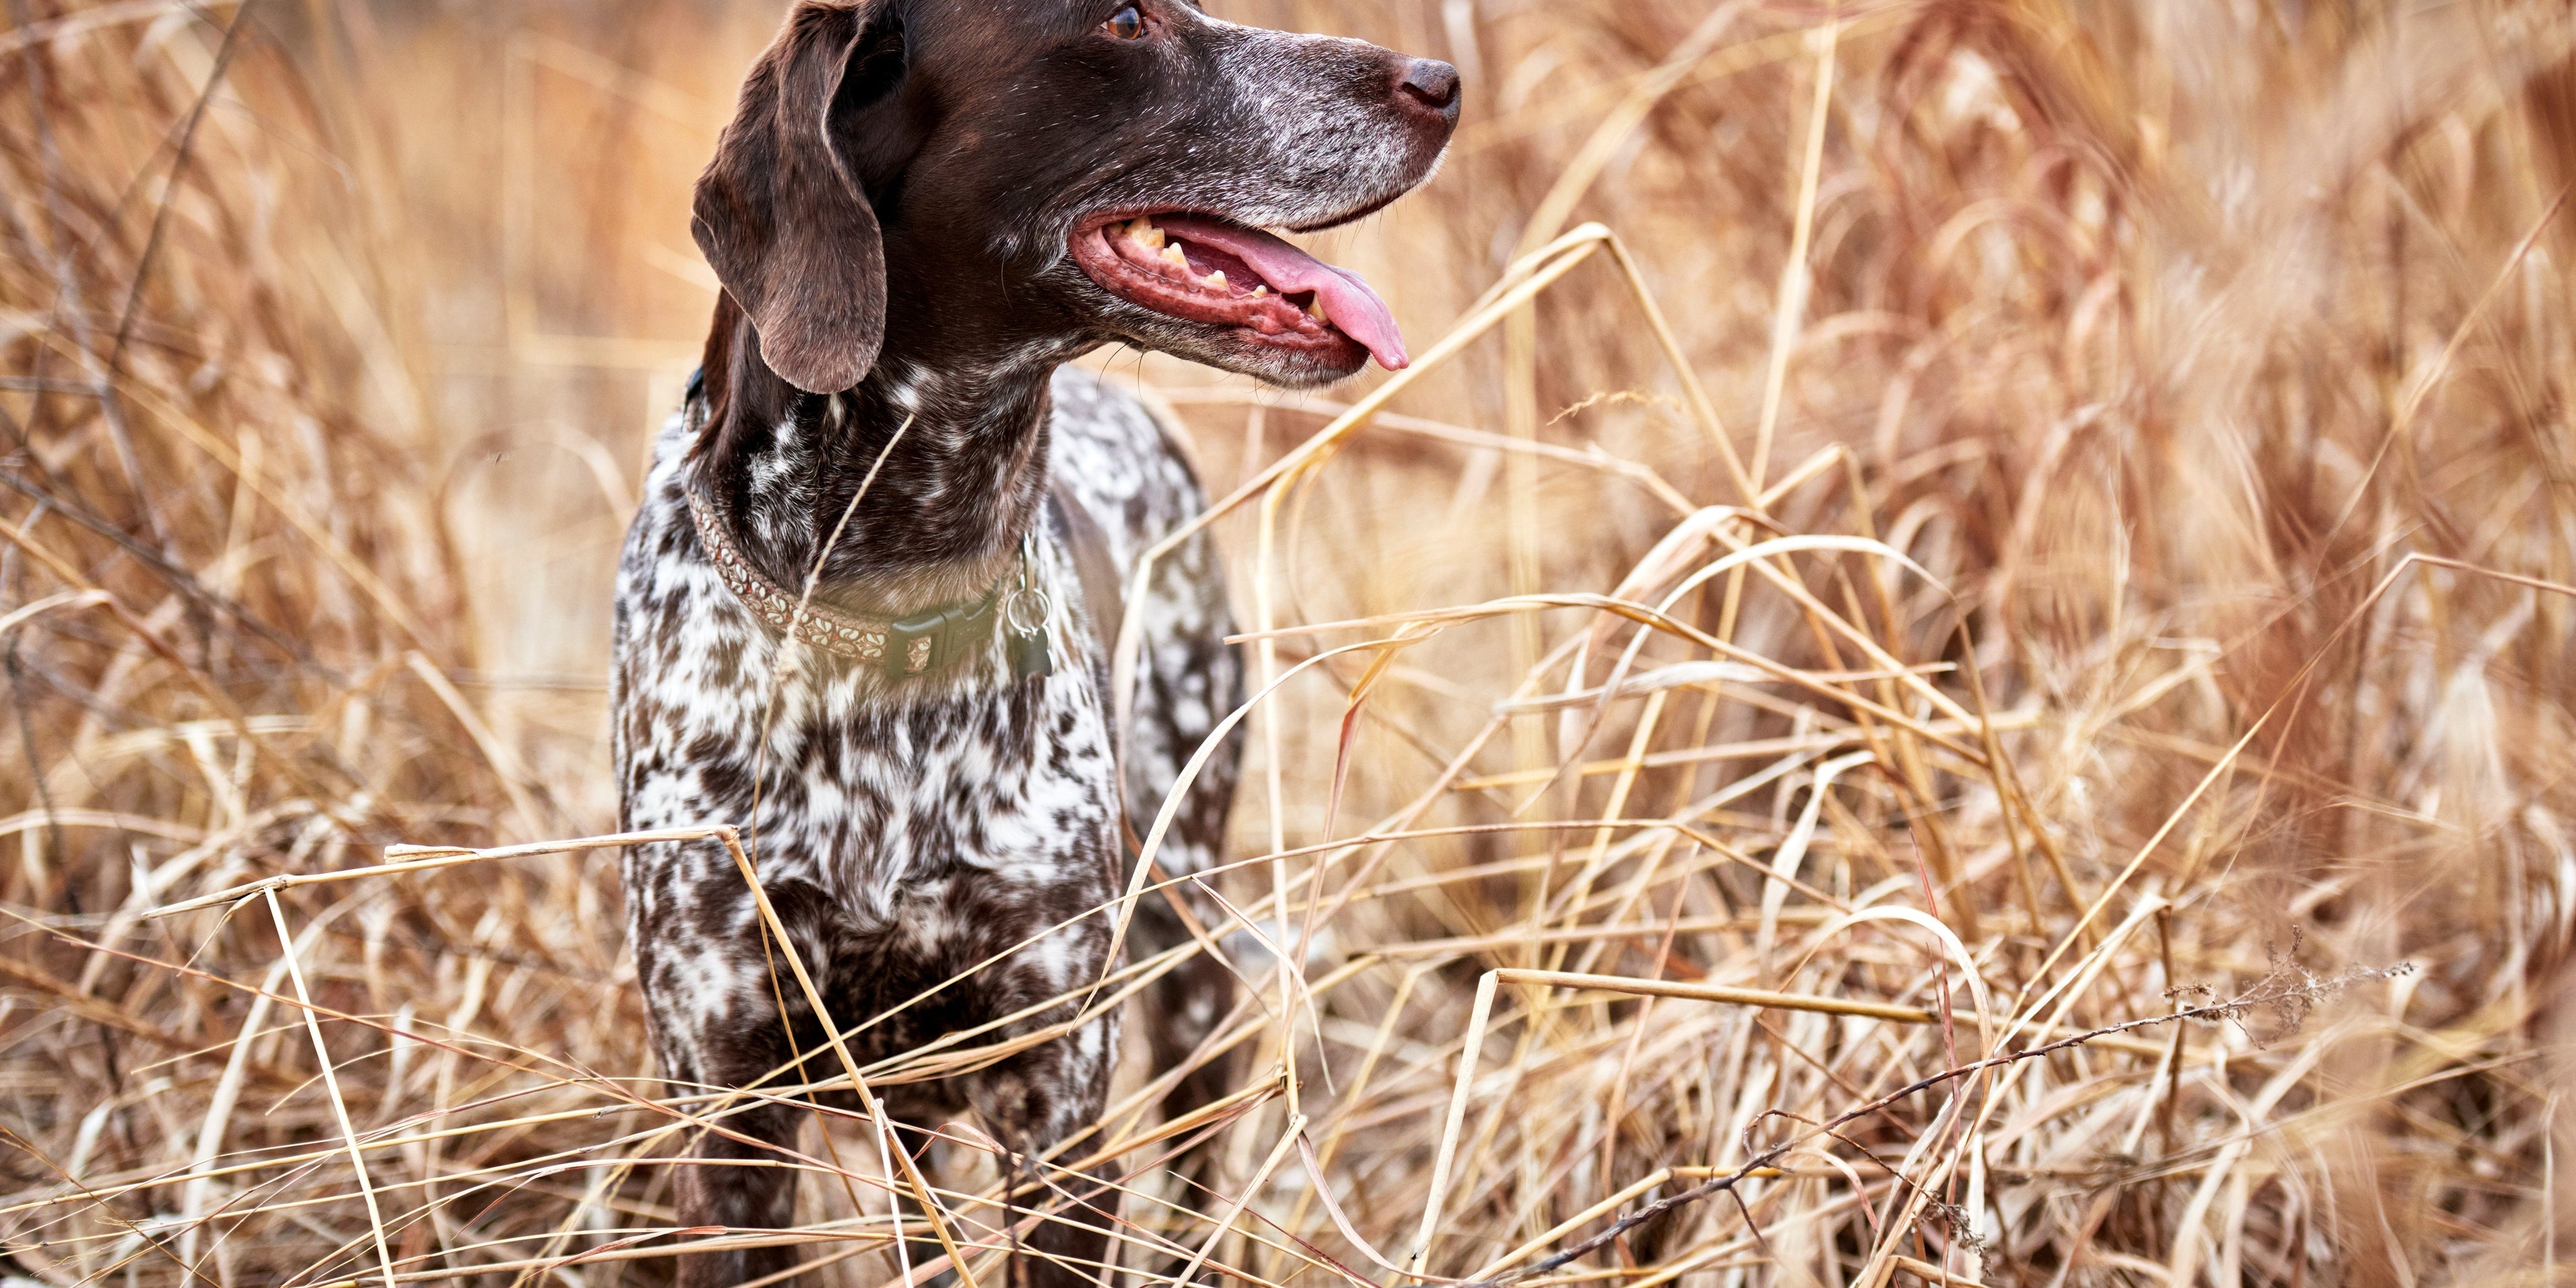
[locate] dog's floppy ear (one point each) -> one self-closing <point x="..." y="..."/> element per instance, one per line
<point x="779" y="214"/>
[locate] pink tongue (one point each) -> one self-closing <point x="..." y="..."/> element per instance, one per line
<point x="1347" y="300"/>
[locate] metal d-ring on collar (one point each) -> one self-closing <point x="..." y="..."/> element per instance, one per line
<point x="1024" y="616"/>
<point x="903" y="647"/>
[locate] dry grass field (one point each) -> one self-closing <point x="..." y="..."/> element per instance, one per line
<point x="1942" y="535"/>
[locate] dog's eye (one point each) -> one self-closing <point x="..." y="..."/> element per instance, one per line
<point x="1126" y="24"/>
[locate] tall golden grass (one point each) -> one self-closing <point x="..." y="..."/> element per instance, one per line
<point x="1939" y="528"/>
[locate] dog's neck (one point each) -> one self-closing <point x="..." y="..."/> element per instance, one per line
<point x="943" y="517"/>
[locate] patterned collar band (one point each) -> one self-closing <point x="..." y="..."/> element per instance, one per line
<point x="901" y="647"/>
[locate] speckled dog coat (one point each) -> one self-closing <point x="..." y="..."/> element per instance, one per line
<point x="921" y="211"/>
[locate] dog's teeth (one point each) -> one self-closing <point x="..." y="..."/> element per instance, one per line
<point x="1216" y="280"/>
<point x="1315" y="310"/>
<point x="1172" y="255"/>
<point x="1260" y="290"/>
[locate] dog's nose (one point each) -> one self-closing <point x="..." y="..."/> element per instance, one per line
<point x="1431" y="83"/>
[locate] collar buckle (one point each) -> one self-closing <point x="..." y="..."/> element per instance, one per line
<point x="926" y="641"/>
<point x="916" y="644"/>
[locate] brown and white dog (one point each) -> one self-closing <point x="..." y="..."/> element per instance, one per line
<point x="921" y="211"/>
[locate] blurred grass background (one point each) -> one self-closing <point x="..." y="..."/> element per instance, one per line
<point x="2161" y="335"/>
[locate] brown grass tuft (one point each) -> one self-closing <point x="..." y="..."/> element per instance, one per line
<point x="2115" y="511"/>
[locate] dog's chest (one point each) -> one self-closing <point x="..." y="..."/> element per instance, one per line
<point x="882" y="796"/>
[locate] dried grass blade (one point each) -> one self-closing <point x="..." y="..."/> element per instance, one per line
<point x="331" y="1087"/>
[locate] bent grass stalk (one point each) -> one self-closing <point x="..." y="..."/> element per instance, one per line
<point x="2132" y="573"/>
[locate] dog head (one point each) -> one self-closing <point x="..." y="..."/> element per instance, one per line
<point x="997" y="176"/>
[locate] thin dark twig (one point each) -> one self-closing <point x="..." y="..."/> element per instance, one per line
<point x="180" y="578"/>
<point x="54" y="835"/>
<point x="1951" y="1212"/>
<point x="68" y="301"/>
<point x="1750" y="1224"/>
<point x="36" y="774"/>
<point x="170" y="187"/>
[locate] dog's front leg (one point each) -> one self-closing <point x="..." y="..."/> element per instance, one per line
<point x="745" y="1182"/>
<point x="742" y="1185"/>
<point x="1032" y="1103"/>
<point x="716" y="1028"/>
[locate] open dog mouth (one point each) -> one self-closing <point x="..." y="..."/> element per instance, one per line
<point x="1201" y="268"/>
